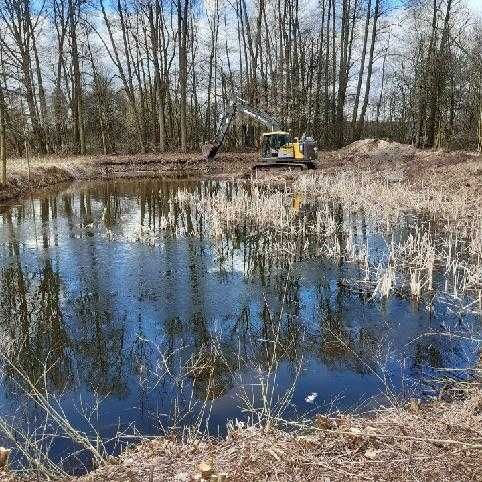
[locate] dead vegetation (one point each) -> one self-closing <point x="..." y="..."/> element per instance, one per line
<point x="437" y="441"/>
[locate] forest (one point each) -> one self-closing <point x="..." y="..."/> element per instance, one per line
<point x="110" y="76"/>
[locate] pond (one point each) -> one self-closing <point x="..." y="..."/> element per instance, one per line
<point x="138" y="314"/>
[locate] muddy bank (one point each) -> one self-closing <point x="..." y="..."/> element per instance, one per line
<point x="404" y="163"/>
<point x="398" y="162"/>
<point x="437" y="441"/>
<point x="50" y="171"/>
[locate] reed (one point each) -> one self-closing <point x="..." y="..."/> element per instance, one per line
<point x="340" y="218"/>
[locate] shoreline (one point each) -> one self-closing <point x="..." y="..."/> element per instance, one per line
<point x="48" y="172"/>
<point x="396" y="163"/>
<point x="438" y="440"/>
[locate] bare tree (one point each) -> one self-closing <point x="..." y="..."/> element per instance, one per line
<point x="182" y="31"/>
<point x="361" y="120"/>
<point x="3" y="139"/>
<point x="16" y="17"/>
<point x="143" y="80"/>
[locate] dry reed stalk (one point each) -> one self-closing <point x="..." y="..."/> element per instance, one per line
<point x="270" y="210"/>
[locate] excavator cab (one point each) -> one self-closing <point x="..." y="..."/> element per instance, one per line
<point x="272" y="142"/>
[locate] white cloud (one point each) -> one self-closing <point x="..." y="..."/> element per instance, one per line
<point x="475" y="6"/>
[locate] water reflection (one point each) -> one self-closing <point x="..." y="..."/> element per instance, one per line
<point x="118" y="291"/>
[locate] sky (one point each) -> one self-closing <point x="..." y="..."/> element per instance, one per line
<point x="476" y="6"/>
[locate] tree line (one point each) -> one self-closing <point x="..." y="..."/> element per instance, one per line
<point x="108" y="76"/>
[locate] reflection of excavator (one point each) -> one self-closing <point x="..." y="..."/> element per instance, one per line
<point x="277" y="147"/>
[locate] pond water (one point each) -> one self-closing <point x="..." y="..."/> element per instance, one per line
<point x="136" y="327"/>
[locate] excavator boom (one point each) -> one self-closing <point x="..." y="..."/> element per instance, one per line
<point x="236" y="105"/>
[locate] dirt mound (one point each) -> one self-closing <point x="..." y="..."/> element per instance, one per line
<point x="379" y="150"/>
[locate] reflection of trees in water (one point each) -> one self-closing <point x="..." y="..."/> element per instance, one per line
<point x="429" y="352"/>
<point x="100" y="347"/>
<point x="340" y="345"/>
<point x="212" y="362"/>
<point x="40" y="344"/>
<point x="255" y="340"/>
<point x="31" y="317"/>
<point x="96" y="344"/>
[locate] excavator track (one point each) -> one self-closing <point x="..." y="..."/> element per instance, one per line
<point x="300" y="165"/>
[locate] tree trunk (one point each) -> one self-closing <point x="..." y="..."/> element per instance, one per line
<point x="154" y="28"/>
<point x="41" y="91"/>
<point x="438" y="80"/>
<point x="126" y="78"/>
<point x="77" y="101"/>
<point x="182" y="26"/>
<point x="354" y="116"/>
<point x="327" y="75"/>
<point x="343" y="73"/>
<point x="361" y="121"/>
<point x="3" y="141"/>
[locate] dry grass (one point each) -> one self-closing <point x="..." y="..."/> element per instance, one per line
<point x="437" y="441"/>
<point x="447" y="237"/>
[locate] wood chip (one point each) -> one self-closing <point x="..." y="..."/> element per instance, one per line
<point x="371" y="454"/>
<point x="206" y="470"/>
<point x="4" y="456"/>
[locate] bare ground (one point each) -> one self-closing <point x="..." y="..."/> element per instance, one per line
<point x="399" y="162"/>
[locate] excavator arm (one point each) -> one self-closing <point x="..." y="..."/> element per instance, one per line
<point x="236" y="104"/>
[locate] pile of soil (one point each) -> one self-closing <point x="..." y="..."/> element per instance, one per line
<point x="453" y="170"/>
<point x="379" y="150"/>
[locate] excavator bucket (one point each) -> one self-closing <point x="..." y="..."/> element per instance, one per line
<point x="210" y="150"/>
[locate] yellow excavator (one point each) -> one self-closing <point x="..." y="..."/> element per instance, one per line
<point x="278" y="149"/>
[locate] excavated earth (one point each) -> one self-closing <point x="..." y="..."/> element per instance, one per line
<point x="399" y="162"/>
